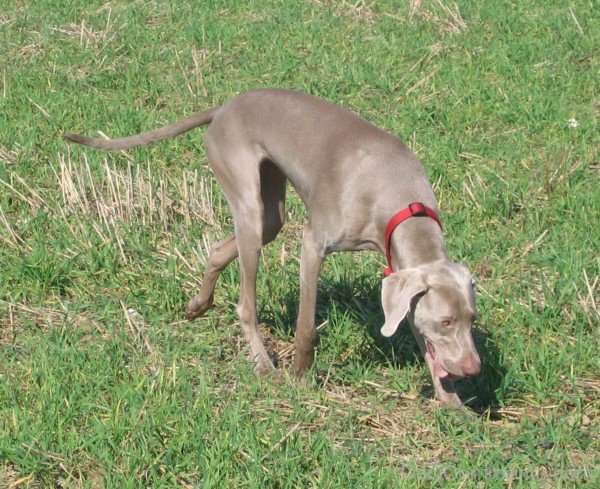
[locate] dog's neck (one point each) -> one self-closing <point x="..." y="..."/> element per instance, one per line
<point x="417" y="242"/>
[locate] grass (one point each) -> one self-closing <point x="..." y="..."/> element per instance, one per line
<point x="102" y="382"/>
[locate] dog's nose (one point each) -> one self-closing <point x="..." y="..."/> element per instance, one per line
<point x="471" y="365"/>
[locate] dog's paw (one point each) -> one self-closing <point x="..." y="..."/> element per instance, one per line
<point x="263" y="366"/>
<point x="303" y="380"/>
<point x="198" y="306"/>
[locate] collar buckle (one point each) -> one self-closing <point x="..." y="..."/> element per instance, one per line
<point x="417" y="209"/>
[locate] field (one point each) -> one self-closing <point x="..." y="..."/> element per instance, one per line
<point x="103" y="383"/>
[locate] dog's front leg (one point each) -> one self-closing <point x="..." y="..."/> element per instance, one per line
<point x="310" y="262"/>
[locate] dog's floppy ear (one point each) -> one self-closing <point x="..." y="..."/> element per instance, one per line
<point x="397" y="293"/>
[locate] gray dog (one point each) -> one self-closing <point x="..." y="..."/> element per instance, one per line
<point x="364" y="189"/>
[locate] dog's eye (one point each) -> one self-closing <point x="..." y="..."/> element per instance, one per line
<point x="446" y="323"/>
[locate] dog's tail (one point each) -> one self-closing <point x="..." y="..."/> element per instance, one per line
<point x="166" y="132"/>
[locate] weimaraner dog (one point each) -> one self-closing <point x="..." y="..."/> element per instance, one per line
<point x="364" y="190"/>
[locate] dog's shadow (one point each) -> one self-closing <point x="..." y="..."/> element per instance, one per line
<point x="360" y="299"/>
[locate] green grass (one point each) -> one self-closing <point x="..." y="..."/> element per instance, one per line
<point x="102" y="382"/>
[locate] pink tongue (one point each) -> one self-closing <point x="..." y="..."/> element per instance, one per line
<point x="437" y="366"/>
<point x="439" y="370"/>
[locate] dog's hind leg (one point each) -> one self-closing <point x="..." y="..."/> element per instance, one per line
<point x="255" y="190"/>
<point x="222" y="253"/>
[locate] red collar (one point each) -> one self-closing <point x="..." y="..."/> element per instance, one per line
<point x="414" y="209"/>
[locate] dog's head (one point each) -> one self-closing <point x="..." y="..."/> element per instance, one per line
<point x="439" y="301"/>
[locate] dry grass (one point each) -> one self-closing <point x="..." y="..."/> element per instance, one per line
<point x="445" y="16"/>
<point x="9" y="156"/>
<point x="589" y="299"/>
<point x="134" y="194"/>
<point x="89" y="37"/>
<point x="359" y="11"/>
<point x="11" y="479"/>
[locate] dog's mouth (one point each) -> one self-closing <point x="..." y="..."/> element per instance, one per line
<point x="439" y="371"/>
